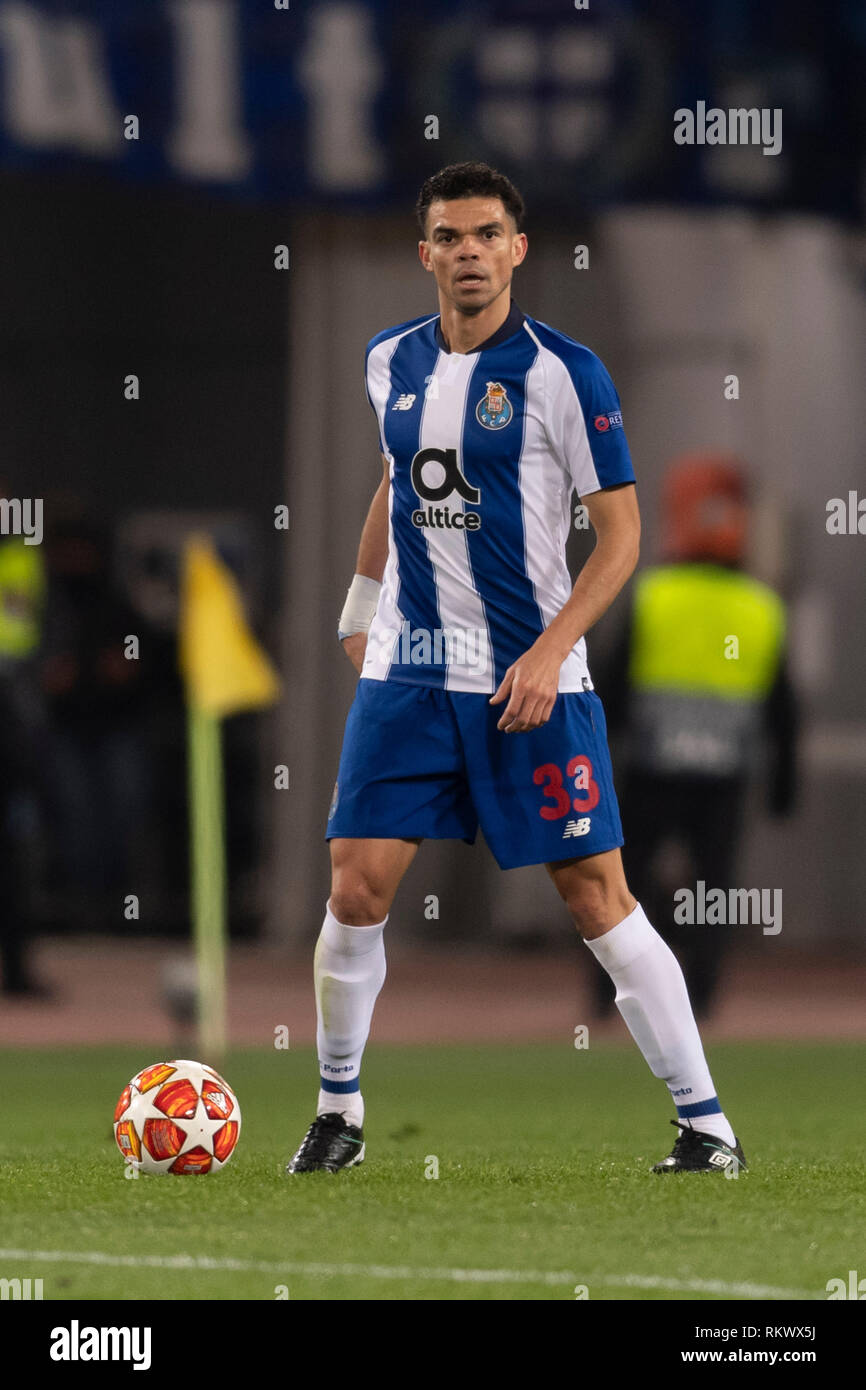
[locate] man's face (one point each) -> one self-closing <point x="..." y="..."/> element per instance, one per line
<point x="472" y="248"/>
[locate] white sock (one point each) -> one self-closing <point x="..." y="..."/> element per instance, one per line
<point x="652" y="997"/>
<point x="349" y="971"/>
<point x="351" y="1107"/>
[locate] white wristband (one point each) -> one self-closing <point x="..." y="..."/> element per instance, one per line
<point x="360" y="606"/>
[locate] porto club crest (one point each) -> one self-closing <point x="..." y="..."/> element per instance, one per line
<point x="494" y="410"/>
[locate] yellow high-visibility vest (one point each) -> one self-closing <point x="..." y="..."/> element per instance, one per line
<point x="22" y="591"/>
<point x="706" y="646"/>
<point x="703" y="629"/>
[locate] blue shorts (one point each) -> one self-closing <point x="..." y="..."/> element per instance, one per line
<point x="422" y="762"/>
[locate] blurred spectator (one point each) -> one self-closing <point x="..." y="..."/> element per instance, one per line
<point x="22" y="594"/>
<point x="97" y="788"/>
<point x="697" y="686"/>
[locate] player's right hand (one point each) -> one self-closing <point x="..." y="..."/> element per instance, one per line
<point x="355" y="648"/>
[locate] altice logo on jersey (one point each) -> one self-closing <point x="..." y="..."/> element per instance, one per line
<point x="442" y="478"/>
<point x="737" y="126"/>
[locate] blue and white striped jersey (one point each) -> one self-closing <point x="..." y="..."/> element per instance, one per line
<point x="485" y="449"/>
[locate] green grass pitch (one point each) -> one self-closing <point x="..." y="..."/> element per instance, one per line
<point x="543" y="1155"/>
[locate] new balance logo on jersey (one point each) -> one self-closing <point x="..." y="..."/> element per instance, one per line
<point x="573" y="828"/>
<point x="449" y="481"/>
<point x="404" y="402"/>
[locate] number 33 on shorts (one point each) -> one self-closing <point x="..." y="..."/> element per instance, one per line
<point x="549" y="777"/>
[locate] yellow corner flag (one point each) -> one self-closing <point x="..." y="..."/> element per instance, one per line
<point x="224" y="667"/>
<point x="225" y="671"/>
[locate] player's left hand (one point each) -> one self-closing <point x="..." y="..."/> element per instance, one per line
<point x="532" y="683"/>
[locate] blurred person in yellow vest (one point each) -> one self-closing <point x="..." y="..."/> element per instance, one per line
<point x="699" y="692"/>
<point x="22" y="597"/>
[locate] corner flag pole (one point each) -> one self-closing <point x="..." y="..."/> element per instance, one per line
<point x="208" y="870"/>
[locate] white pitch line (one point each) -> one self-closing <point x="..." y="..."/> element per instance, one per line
<point x="654" y="1281"/>
<point x="549" y="1278"/>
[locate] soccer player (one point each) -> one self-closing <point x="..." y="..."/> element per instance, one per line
<point x="475" y="703"/>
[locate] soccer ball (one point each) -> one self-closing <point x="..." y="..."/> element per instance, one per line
<point x="177" y="1117"/>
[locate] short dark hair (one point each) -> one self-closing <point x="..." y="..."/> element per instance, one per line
<point x="468" y="180"/>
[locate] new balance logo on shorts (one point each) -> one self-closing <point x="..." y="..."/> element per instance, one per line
<point x="576" y="827"/>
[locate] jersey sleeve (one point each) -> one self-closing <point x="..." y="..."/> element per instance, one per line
<point x="585" y="422"/>
<point x="370" y="386"/>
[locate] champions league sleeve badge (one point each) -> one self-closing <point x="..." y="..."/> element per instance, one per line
<point x="494" y="410"/>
